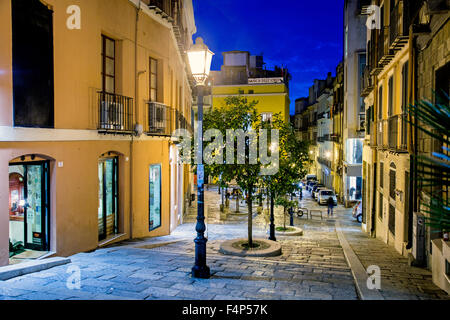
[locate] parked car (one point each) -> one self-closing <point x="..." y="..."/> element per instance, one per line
<point x="313" y="191"/>
<point x="311" y="177"/>
<point x="324" y="195"/>
<point x="316" y="192"/>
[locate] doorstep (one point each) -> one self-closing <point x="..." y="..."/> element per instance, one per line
<point x="17" y="270"/>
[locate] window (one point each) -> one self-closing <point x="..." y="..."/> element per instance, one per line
<point x="108" y="65"/>
<point x="381" y="175"/>
<point x="266" y="116"/>
<point x="241" y="91"/>
<point x="32" y="64"/>
<point x="391" y="97"/>
<point x="405" y="86"/>
<point x="154" y="197"/>
<point x="392" y="182"/>
<point x="153" y="80"/>
<point x="380" y="103"/>
<point x="251" y="91"/>
<point x="380" y="205"/>
<point x="392" y="219"/>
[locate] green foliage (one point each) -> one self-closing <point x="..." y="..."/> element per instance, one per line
<point x="434" y="170"/>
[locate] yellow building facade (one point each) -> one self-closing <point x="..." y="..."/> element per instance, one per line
<point x="243" y="75"/>
<point x="93" y="162"/>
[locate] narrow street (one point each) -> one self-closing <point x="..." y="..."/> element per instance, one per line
<point x="311" y="267"/>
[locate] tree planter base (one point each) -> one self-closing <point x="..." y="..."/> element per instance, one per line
<point x="267" y="248"/>
<point x="289" y="233"/>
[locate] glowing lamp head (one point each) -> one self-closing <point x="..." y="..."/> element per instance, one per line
<point x="200" y="58"/>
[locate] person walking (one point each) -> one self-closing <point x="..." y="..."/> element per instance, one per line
<point x="330" y="203"/>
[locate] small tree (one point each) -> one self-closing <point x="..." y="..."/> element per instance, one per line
<point x="237" y="114"/>
<point x="292" y="161"/>
<point x="286" y="204"/>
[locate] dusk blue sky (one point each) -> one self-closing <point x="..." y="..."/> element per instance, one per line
<point x="305" y="36"/>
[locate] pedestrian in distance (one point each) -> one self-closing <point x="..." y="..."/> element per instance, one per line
<point x="330" y="203"/>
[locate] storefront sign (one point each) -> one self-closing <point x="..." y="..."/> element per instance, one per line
<point x="265" y="80"/>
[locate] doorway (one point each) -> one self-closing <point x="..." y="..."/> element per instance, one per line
<point x="108" y="177"/>
<point x="29" y="207"/>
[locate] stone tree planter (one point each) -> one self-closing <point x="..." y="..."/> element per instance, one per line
<point x="290" y="231"/>
<point x="236" y="247"/>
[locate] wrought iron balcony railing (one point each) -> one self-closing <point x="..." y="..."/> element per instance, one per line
<point x="382" y="134"/>
<point x="399" y="26"/>
<point x="385" y="55"/>
<point x="159" y="119"/>
<point x="397" y="132"/>
<point x="115" y="113"/>
<point x="366" y="81"/>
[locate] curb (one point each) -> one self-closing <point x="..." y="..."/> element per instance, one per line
<point x="358" y="271"/>
<point x="17" y="270"/>
<point x="227" y="248"/>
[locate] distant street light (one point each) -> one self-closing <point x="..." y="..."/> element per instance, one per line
<point x="200" y="58"/>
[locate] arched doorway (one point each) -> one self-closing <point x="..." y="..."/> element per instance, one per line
<point x="29" y="203"/>
<point x="108" y="195"/>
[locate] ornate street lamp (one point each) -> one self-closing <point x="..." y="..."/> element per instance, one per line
<point x="200" y="58"/>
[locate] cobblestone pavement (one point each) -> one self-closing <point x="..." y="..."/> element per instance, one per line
<point x="311" y="267"/>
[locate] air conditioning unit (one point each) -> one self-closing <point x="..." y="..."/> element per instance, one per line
<point x="418" y="236"/>
<point x="157" y="118"/>
<point x="112" y="116"/>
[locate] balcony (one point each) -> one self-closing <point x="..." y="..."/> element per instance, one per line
<point x="366" y="82"/>
<point x="172" y="12"/>
<point x="159" y="119"/>
<point x="325" y="162"/>
<point x="181" y="122"/>
<point x="382" y="134"/>
<point x="399" y="30"/>
<point x="372" y="134"/>
<point x="397" y="133"/>
<point x="385" y="55"/>
<point x="362" y="122"/>
<point x="162" y="7"/>
<point x="115" y="113"/>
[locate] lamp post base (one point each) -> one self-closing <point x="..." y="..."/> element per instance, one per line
<point x="201" y="272"/>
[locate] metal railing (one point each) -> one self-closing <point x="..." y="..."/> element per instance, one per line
<point x="399" y="25"/>
<point x="115" y="113"/>
<point x="164" y="5"/>
<point x="159" y="119"/>
<point x="366" y="81"/>
<point x="398" y="132"/>
<point x="324" y="162"/>
<point x="382" y="134"/>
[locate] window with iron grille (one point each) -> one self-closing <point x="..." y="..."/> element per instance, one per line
<point x="153" y="80"/>
<point x="108" y="65"/>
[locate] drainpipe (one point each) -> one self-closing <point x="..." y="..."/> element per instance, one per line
<point x="136" y="97"/>
<point x="413" y="132"/>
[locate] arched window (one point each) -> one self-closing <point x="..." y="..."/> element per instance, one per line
<point x="392" y="180"/>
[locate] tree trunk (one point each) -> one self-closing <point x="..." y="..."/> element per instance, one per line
<point x="284" y="218"/>
<point x="250" y="221"/>
<point x="272" y="218"/>
<point x="237" y="203"/>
